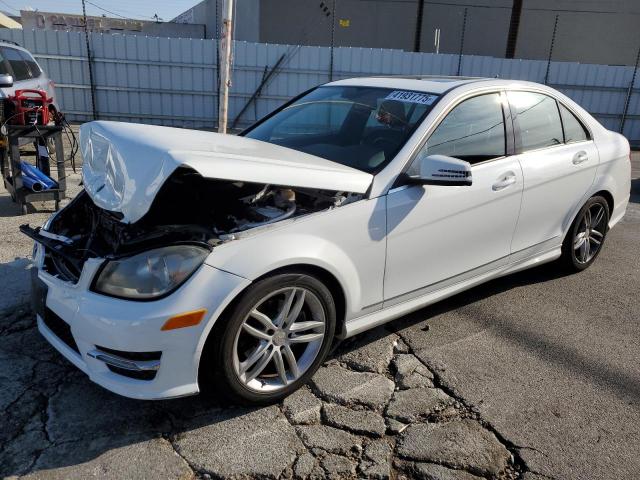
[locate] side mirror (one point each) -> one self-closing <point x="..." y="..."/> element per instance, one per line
<point x="6" y="80"/>
<point x="440" y="170"/>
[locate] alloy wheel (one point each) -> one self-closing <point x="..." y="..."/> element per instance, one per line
<point x="590" y="233"/>
<point x="279" y="339"/>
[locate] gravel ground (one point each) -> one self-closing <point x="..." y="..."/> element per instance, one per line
<point x="531" y="376"/>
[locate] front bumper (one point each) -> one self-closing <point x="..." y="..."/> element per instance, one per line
<point x="96" y="321"/>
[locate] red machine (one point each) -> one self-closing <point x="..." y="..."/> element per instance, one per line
<point x="29" y="107"/>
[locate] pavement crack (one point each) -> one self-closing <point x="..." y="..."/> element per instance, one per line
<point x="521" y="447"/>
<point x="170" y="439"/>
<point x="307" y="450"/>
<point x="518" y="462"/>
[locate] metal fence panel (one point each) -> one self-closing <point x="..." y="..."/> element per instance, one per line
<point x="173" y="81"/>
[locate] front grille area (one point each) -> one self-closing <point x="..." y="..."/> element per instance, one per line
<point x="60" y="328"/>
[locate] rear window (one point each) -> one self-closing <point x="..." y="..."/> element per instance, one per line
<point x="17" y="63"/>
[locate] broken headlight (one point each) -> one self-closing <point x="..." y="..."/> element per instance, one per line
<point x="150" y="274"/>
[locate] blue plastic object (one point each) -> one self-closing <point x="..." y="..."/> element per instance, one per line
<point x="34" y="179"/>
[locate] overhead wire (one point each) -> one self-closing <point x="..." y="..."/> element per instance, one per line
<point x="116" y="13"/>
<point x="9" y="6"/>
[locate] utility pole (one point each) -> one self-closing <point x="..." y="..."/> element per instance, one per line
<point x="225" y="64"/>
<point x="92" y="84"/>
<point x="514" y="28"/>
<point x="629" y="93"/>
<point x="333" y="32"/>
<point x="418" y="35"/>
<point x="553" y="40"/>
<point x="464" y="28"/>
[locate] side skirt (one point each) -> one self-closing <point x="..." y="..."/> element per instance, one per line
<point x="445" y="289"/>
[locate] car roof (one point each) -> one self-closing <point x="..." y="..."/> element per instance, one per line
<point x="12" y="44"/>
<point x="427" y="83"/>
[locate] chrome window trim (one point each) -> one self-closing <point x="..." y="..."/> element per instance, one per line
<point x="579" y="141"/>
<point x="549" y="147"/>
<point x="484" y="162"/>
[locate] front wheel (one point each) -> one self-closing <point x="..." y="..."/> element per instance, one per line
<point x="273" y="340"/>
<point x="586" y="236"/>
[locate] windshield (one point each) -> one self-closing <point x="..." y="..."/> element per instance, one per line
<point x="360" y="127"/>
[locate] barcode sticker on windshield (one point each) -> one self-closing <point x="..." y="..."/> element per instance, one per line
<point x="411" y="97"/>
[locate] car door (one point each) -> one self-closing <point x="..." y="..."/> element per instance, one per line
<point x="559" y="161"/>
<point x="442" y="234"/>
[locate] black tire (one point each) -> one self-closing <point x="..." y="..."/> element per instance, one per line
<point x="570" y="258"/>
<point x="217" y="375"/>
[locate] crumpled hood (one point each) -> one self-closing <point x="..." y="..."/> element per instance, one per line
<point x="125" y="164"/>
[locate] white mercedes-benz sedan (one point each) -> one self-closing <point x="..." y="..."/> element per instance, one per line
<point x="194" y="259"/>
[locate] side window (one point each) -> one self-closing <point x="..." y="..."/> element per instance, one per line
<point x="473" y="131"/>
<point x="574" y="131"/>
<point x="18" y="65"/>
<point x="34" y="68"/>
<point x="538" y="118"/>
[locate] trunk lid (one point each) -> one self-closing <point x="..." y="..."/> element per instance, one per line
<point x="125" y="164"/>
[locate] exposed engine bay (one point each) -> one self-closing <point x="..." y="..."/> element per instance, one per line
<point x="188" y="208"/>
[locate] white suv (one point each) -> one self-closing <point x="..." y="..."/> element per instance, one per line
<point x="19" y="71"/>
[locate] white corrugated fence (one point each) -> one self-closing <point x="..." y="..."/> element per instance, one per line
<point x="172" y="81"/>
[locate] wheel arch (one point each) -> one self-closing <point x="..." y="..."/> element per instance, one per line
<point x="602" y="192"/>
<point x="325" y="276"/>
<point x="608" y="196"/>
<point x="330" y="281"/>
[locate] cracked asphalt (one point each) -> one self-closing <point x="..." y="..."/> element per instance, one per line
<point x="532" y="376"/>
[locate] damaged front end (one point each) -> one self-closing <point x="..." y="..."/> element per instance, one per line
<point x="157" y="200"/>
<point x="189" y="211"/>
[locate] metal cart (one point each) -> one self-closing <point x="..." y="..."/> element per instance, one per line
<point x="10" y="157"/>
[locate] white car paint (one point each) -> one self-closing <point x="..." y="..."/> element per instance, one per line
<point x="125" y="164"/>
<point x="481" y="221"/>
<point x="435" y="240"/>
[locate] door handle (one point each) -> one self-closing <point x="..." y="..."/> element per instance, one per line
<point x="580" y="157"/>
<point x="505" y="181"/>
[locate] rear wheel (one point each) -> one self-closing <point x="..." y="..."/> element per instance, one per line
<point x="586" y="236"/>
<point x="273" y="340"/>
